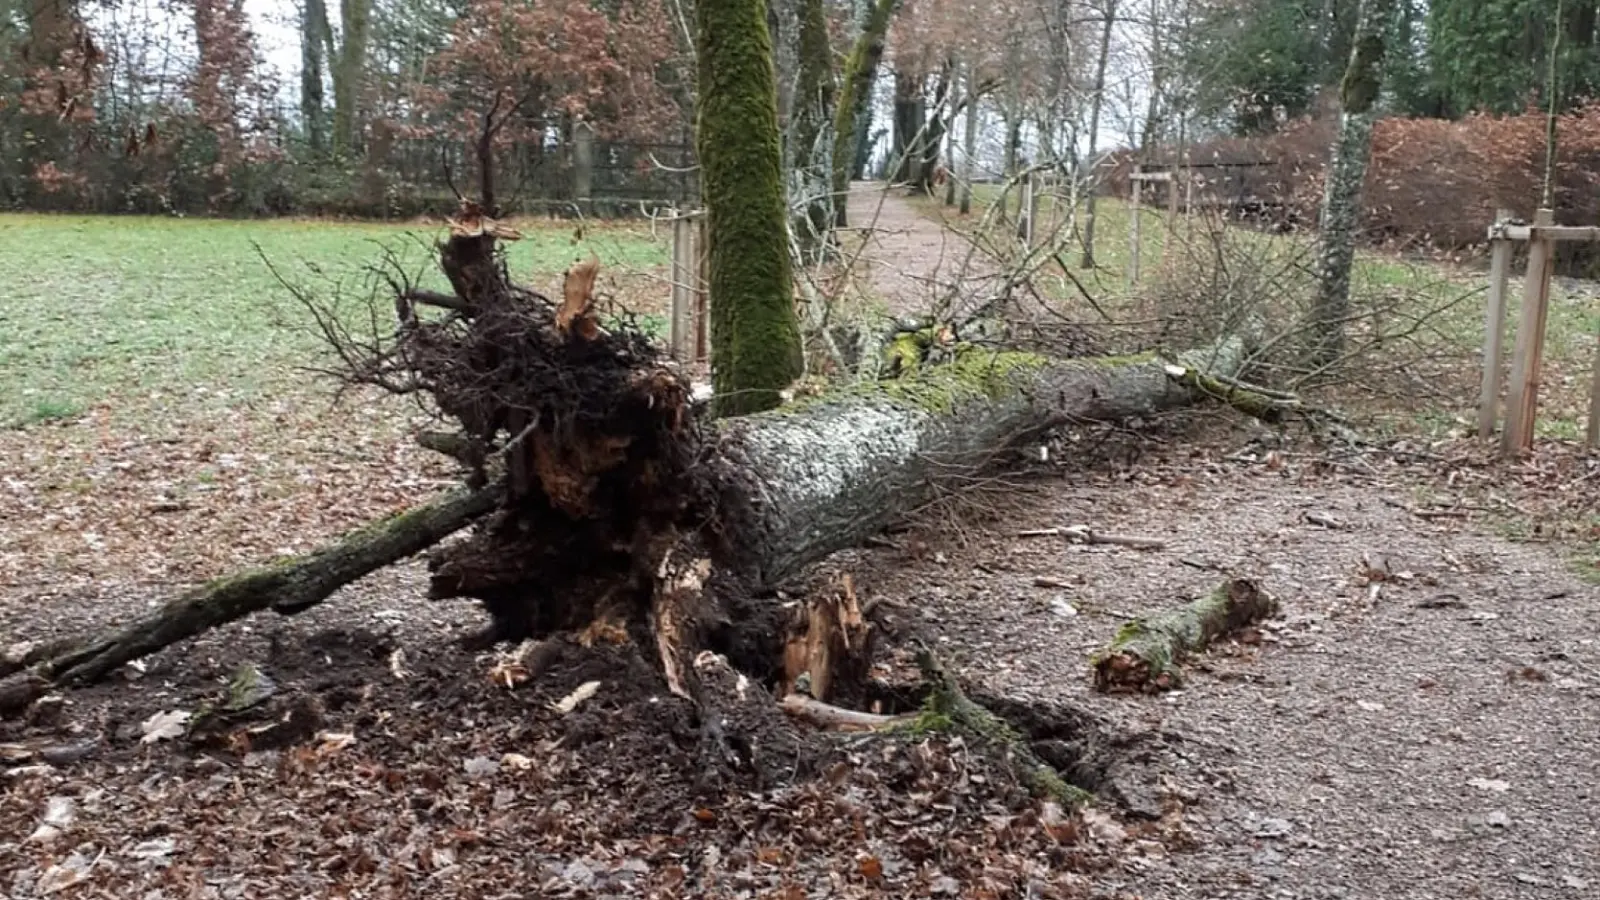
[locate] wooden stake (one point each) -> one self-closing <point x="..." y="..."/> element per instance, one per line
<point x="1494" y="330"/>
<point x="1592" y="438"/>
<point x="1133" y="229"/>
<point x="1523" y="402"/>
<point x="684" y="289"/>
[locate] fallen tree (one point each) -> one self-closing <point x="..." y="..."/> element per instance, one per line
<point x="1145" y="654"/>
<point x="599" y="491"/>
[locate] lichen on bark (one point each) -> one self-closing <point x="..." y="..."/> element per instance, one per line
<point x="755" y="337"/>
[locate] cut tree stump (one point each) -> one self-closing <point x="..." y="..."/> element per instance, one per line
<point x="1146" y="652"/>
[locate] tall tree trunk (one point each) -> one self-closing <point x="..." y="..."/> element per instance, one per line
<point x="969" y="142"/>
<point x="810" y="130"/>
<point x="1151" y="132"/>
<point x="956" y="100"/>
<point x="783" y="26"/>
<point x="1012" y="112"/>
<point x="755" y="338"/>
<point x="355" y="18"/>
<point x="855" y="97"/>
<point x="934" y="131"/>
<point x="1347" y="170"/>
<point x="1095" y="105"/>
<point x="910" y="106"/>
<point x="315" y="37"/>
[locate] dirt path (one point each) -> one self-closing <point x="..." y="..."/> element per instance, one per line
<point x="1436" y="741"/>
<point x="916" y="265"/>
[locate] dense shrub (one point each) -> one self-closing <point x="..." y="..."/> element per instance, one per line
<point x="1433" y="185"/>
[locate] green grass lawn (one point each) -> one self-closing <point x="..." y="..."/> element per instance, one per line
<point x="97" y="310"/>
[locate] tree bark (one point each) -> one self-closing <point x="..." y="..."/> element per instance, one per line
<point x="289" y="587"/>
<point x="969" y="142"/>
<point x="934" y="132"/>
<point x="1145" y="654"/>
<point x="1347" y="171"/>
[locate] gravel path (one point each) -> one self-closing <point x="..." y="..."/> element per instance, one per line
<point x="1436" y="739"/>
<point x="915" y="264"/>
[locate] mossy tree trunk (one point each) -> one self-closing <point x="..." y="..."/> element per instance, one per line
<point x="315" y="38"/>
<point x="755" y="337"/>
<point x="811" y="129"/>
<point x="349" y="67"/>
<point x="855" y="95"/>
<point x="1347" y="170"/>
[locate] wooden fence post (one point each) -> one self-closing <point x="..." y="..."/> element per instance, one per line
<point x="1523" y="402"/>
<point x="1591" y="438"/>
<point x="582" y="161"/>
<point x="1169" y="242"/>
<point x="1030" y="209"/>
<point x="685" y="288"/>
<point x="1133" y="227"/>
<point x="1494" y="328"/>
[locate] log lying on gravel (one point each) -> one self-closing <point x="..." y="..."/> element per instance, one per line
<point x="1145" y="654"/>
<point x="289" y="586"/>
<point x="803" y="482"/>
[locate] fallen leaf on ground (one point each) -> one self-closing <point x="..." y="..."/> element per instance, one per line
<point x="163" y="726"/>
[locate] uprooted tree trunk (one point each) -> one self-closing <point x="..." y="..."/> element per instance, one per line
<point x="1145" y="654"/>
<point x="602" y="495"/>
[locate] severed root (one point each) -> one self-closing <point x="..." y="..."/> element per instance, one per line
<point x="948" y="707"/>
<point x="1145" y="654"/>
<point x="837" y="718"/>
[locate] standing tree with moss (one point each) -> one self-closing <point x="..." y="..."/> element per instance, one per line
<point x="811" y="128"/>
<point x="855" y="95"/>
<point x="755" y="336"/>
<point x="1347" y="170"/>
